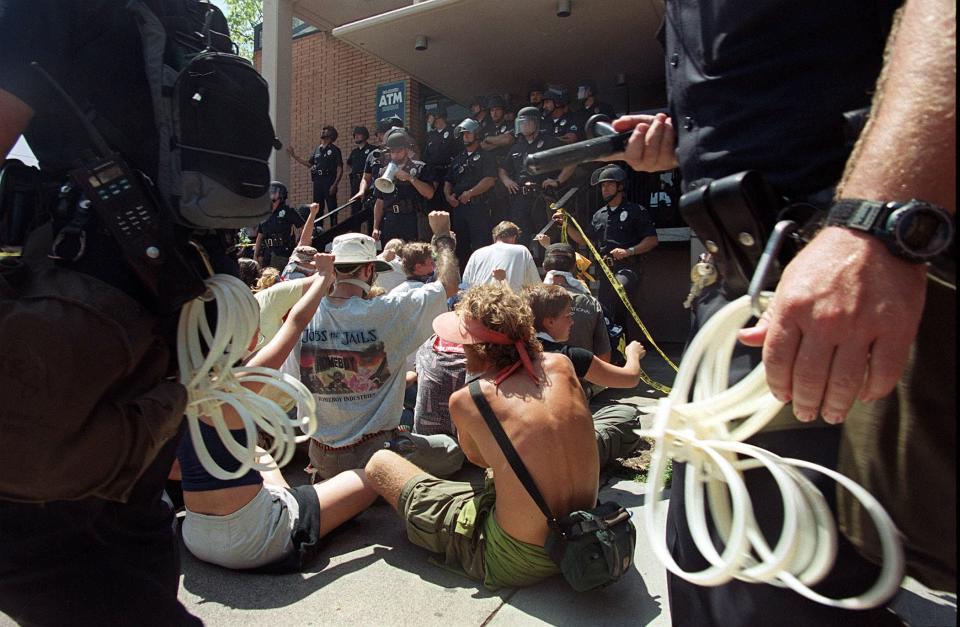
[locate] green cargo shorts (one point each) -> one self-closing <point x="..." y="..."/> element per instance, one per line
<point x="446" y="517"/>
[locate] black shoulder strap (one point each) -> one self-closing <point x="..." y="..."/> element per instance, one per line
<point x="509" y="452"/>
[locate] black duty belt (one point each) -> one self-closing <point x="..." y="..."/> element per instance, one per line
<point x="325" y="172"/>
<point x="275" y="242"/>
<point x="529" y="188"/>
<point x="401" y="208"/>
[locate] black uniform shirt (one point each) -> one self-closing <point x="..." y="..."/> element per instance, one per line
<point x="763" y="85"/>
<point x="504" y="127"/>
<point x="404" y="191"/>
<point x="621" y="227"/>
<point x="487" y="127"/>
<point x="374" y="159"/>
<point x="469" y="169"/>
<point x="277" y="226"/>
<point x="566" y="123"/>
<point x="324" y="161"/>
<point x="513" y="164"/>
<point x="598" y="107"/>
<point x="358" y="158"/>
<point x="440" y="149"/>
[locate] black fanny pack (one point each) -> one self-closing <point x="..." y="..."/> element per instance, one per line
<point x="594" y="547"/>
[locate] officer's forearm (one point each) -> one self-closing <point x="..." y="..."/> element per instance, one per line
<point x="364" y="184"/>
<point x="336" y="181"/>
<point x="646" y="245"/>
<point x="566" y="173"/>
<point x="377" y="214"/>
<point x="575" y="236"/>
<point x="447" y="189"/>
<point x="256" y="245"/>
<point x="483" y="186"/>
<point x="425" y="189"/>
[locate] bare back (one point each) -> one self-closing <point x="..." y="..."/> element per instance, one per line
<point x="552" y="430"/>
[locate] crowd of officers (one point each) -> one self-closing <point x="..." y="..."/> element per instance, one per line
<point x="474" y="169"/>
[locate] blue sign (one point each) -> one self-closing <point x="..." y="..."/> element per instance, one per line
<point x="390" y="100"/>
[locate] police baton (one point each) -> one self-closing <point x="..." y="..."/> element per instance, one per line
<point x="605" y="141"/>
<point x="558" y="205"/>
<point x="330" y="213"/>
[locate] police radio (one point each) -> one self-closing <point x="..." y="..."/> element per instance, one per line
<point x="128" y="207"/>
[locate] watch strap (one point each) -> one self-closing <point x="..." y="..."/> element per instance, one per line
<point x="856" y="213"/>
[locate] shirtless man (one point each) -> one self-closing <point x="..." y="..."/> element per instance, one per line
<point x="496" y="534"/>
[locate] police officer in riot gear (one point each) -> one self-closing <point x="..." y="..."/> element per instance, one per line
<point x="441" y="147"/>
<point x="358" y="158"/>
<point x="376" y="159"/>
<point x="467" y="189"/>
<point x="326" y="168"/>
<point x="623" y="232"/>
<point x="589" y="105"/>
<point x="527" y="207"/>
<point x="565" y="127"/>
<point x="480" y="111"/>
<point x="277" y="235"/>
<point x="498" y="142"/>
<point x="395" y="212"/>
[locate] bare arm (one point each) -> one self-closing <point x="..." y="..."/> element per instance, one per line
<point x="15" y="114"/>
<point x="457" y="413"/>
<point x="256" y="246"/>
<point x="377" y="217"/>
<point x="846" y="312"/>
<point x="306" y="233"/>
<point x="497" y="141"/>
<point x="485" y="184"/>
<point x="608" y="375"/>
<point x="295" y="157"/>
<point x="447" y="271"/>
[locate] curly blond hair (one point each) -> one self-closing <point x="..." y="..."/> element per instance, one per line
<point x="501" y="310"/>
<point x="268" y="277"/>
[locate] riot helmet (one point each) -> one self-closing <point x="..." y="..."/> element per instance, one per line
<point x="469" y="125"/>
<point x="558" y="96"/>
<point x="362" y="132"/>
<point x="585" y="89"/>
<point x="280" y="189"/>
<point x="611" y="173"/>
<point x="388" y="123"/>
<point x="397" y="138"/>
<point x="477" y="104"/>
<point x="528" y="118"/>
<point x="329" y="132"/>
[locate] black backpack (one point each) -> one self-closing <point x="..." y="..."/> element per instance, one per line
<point x="212" y="114"/>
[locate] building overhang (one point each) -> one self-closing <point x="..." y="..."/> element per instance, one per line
<point x="496" y="46"/>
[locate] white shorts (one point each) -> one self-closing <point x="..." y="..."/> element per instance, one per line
<point x="257" y="534"/>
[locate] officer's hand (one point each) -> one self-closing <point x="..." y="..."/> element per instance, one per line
<point x="452" y="201"/>
<point x="840" y="324"/>
<point x="499" y="274"/>
<point x="512" y="186"/>
<point x="550" y="183"/>
<point x="619" y="253"/>
<point x="356" y="197"/>
<point x="465" y="197"/>
<point x="291" y="152"/>
<point x="635" y="349"/>
<point x="333" y="190"/>
<point x="651" y="147"/>
<point x="542" y="238"/>
<point x="323" y="262"/>
<point x="403" y="175"/>
<point x="557" y="216"/>
<point x="439" y="222"/>
<point x="375" y="234"/>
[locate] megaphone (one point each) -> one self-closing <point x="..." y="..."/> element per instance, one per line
<point x="384" y="182"/>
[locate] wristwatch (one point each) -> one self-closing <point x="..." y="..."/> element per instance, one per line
<point x="916" y="231"/>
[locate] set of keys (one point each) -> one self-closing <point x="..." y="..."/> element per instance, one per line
<point x="702" y="274"/>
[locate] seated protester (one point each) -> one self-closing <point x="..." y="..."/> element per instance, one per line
<point x="503" y="254"/>
<point x="249" y="271"/>
<point x="614" y="424"/>
<point x="441" y="370"/>
<point x="416" y="259"/>
<point x="269" y="277"/>
<point x="495" y="533"/>
<point x="589" y="330"/>
<point x="351" y="354"/>
<point x="276" y="302"/>
<point x="300" y="264"/>
<point x="257" y="520"/>
<point x="391" y="254"/>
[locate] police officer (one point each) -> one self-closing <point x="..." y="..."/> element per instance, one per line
<point x="498" y="142"/>
<point x="357" y="159"/>
<point x="277" y="235"/>
<point x="623" y="232"/>
<point x="326" y="168"/>
<point x="589" y="105"/>
<point x="469" y="181"/>
<point x="441" y="147"/>
<point x="479" y="111"/>
<point x="565" y="127"/>
<point x="376" y="159"/>
<point x="395" y="211"/>
<point x="527" y="208"/>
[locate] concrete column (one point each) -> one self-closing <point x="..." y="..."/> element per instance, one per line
<point x="277" y="63"/>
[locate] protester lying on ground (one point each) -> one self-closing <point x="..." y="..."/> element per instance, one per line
<point x="504" y="254"/>
<point x="614" y="423"/>
<point x="495" y="533"/>
<point x="351" y="355"/>
<point x="257" y="520"/>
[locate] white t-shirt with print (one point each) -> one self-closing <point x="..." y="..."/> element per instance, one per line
<point x="351" y="356"/>
<point x="515" y="259"/>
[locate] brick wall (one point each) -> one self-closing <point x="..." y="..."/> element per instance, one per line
<point x="335" y="83"/>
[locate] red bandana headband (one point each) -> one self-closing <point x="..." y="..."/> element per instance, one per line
<point x="482" y="334"/>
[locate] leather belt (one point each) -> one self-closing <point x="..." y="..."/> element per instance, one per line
<point x="400" y="208"/>
<point x="274" y="243"/>
<point x="362" y="439"/>
<point x="529" y="188"/>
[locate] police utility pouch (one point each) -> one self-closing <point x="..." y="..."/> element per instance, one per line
<point x="212" y="113"/>
<point x="80" y="371"/>
<point x="593" y="548"/>
<point x="726" y="216"/>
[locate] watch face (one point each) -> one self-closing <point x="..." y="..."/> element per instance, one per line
<point x="921" y="230"/>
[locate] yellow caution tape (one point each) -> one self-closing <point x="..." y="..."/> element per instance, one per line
<point x="621" y="293"/>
